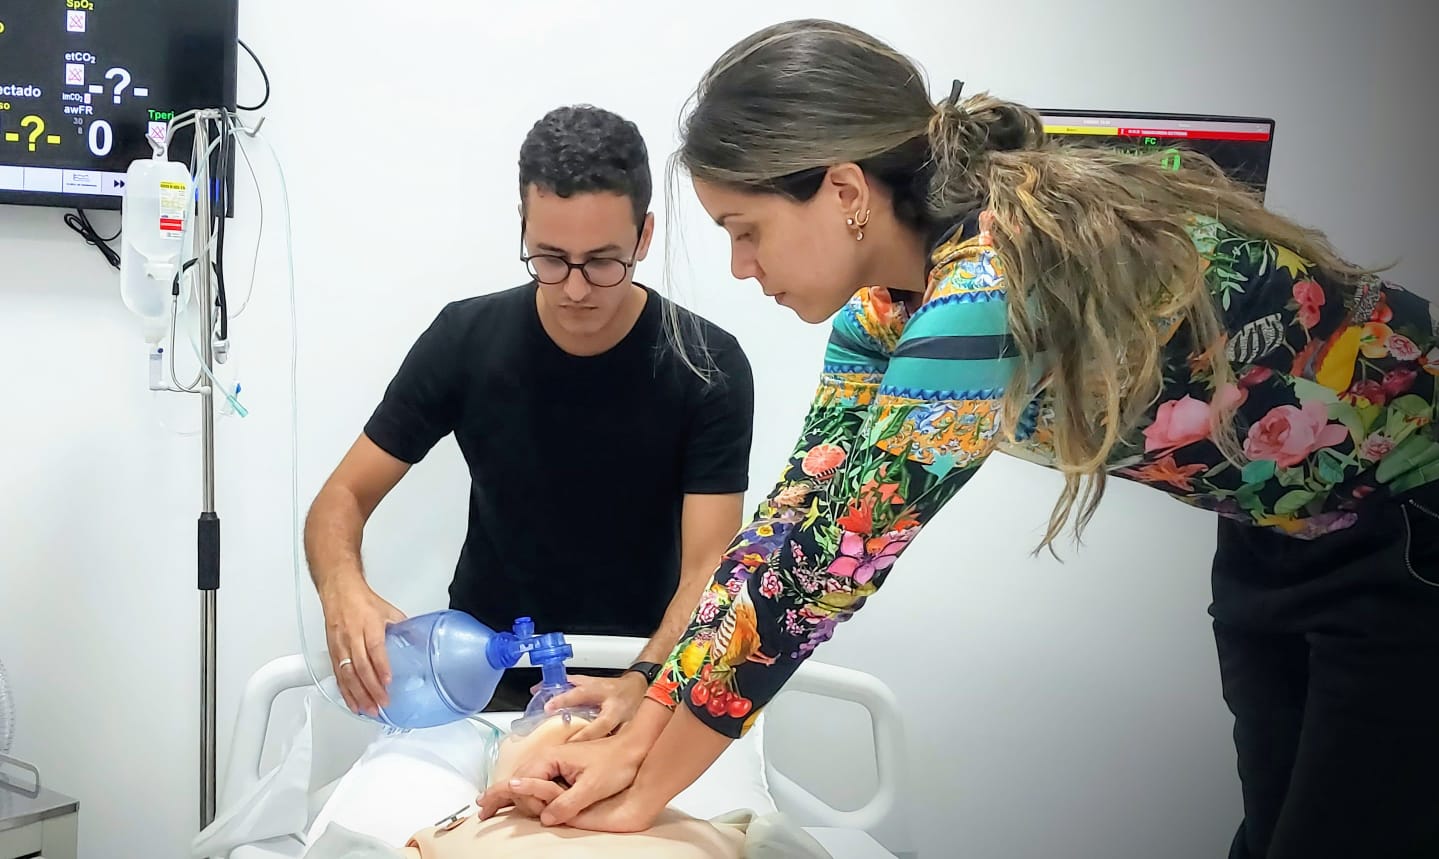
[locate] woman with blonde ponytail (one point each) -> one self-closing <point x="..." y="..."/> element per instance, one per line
<point x="1100" y="313"/>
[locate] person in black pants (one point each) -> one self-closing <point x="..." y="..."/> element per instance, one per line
<point x="1329" y="656"/>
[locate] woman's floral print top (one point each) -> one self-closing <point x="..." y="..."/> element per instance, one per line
<point x="1334" y="407"/>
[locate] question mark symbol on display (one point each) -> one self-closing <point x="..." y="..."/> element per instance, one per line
<point x="38" y="125"/>
<point x="124" y="77"/>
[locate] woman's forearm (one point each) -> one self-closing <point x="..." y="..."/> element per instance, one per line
<point x="680" y="755"/>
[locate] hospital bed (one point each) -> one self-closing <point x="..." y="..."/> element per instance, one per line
<point x="847" y="834"/>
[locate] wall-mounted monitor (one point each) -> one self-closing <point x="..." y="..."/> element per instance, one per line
<point x="1241" y="146"/>
<point x="85" y="83"/>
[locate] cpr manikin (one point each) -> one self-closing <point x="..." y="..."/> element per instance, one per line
<point x="511" y="835"/>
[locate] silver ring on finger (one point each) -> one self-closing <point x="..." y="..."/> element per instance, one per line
<point x="347" y="662"/>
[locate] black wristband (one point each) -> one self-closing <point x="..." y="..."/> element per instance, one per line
<point x="648" y="670"/>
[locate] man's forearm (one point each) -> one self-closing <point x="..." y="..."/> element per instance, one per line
<point x="333" y="533"/>
<point x="709" y="524"/>
<point x="677" y="615"/>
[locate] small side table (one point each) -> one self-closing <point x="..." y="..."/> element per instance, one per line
<point x="44" y="826"/>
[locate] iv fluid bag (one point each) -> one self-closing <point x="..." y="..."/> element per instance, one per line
<point x="157" y="200"/>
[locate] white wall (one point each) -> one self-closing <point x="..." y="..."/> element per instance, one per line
<point x="1066" y="710"/>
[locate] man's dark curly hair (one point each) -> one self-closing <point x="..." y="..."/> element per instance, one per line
<point x="581" y="149"/>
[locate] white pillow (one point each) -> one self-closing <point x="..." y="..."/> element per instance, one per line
<point x="406" y="782"/>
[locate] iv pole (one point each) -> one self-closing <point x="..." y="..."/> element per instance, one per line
<point x="208" y="527"/>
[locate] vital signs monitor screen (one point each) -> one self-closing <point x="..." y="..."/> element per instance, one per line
<point x="83" y="83"/>
<point x="1239" y="145"/>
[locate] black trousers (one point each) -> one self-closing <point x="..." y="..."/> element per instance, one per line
<point x="1329" y="658"/>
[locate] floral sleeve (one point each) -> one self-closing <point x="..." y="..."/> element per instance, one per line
<point x="905" y="412"/>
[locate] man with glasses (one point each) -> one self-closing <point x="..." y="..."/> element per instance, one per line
<point x="607" y="469"/>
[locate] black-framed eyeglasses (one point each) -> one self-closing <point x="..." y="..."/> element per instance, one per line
<point x="552" y="269"/>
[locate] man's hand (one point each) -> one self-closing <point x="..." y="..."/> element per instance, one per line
<point x="587" y="772"/>
<point x="355" y="619"/>
<point x="616" y="697"/>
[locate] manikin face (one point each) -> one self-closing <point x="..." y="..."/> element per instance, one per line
<point x="515" y="749"/>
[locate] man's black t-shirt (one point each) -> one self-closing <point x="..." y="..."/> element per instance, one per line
<point x="578" y="465"/>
